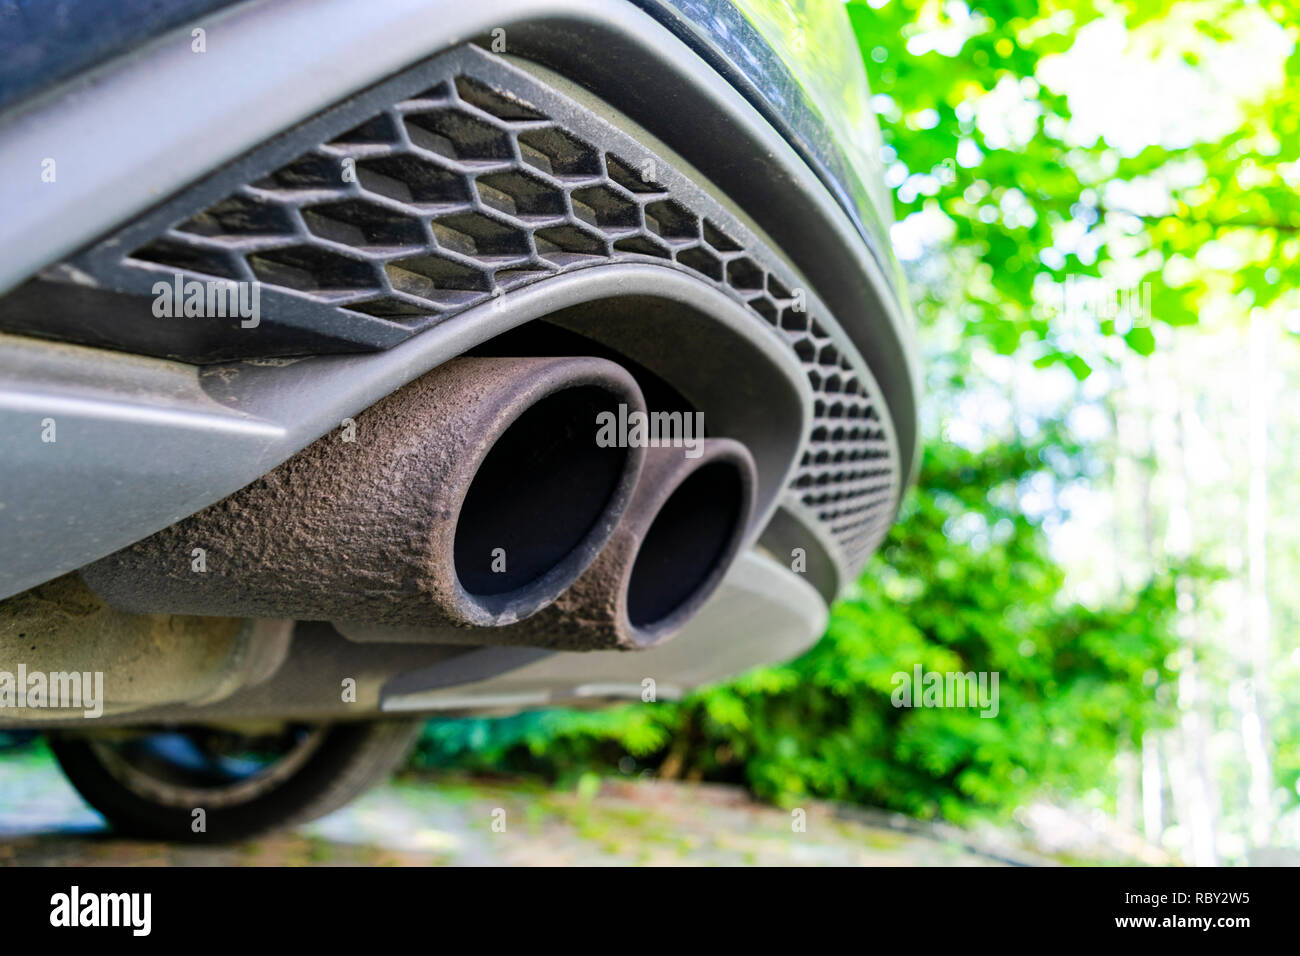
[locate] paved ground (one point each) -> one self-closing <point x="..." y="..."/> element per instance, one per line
<point x="450" y="821"/>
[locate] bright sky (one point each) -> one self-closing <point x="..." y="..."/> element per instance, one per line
<point x="1137" y="88"/>
<point x="1132" y="88"/>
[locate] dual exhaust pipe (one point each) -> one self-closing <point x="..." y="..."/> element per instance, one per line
<point x="475" y="503"/>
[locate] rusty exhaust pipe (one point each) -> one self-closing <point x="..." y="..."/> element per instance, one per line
<point x="473" y="496"/>
<point x="679" y="536"/>
<point x="677" y="540"/>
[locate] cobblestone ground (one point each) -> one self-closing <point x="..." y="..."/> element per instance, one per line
<point x="426" y="820"/>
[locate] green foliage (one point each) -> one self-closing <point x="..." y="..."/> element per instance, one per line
<point x="1009" y="200"/>
<point x="964" y="583"/>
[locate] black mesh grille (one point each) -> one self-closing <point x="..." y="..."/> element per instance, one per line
<point x="427" y="202"/>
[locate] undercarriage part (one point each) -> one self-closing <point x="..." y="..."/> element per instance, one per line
<point x="94" y="661"/>
<point x="473" y="496"/>
<point x="760" y="615"/>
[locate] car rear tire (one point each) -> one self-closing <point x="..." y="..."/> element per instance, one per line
<point x="153" y="784"/>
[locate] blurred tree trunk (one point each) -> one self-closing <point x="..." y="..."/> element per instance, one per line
<point x="1255" y="700"/>
<point x="1153" y="791"/>
<point x="1141" y="451"/>
<point x="1128" y="796"/>
<point x="1200" y="806"/>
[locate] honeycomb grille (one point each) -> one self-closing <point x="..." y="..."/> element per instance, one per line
<point x="483" y="181"/>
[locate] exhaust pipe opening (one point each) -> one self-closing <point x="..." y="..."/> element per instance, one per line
<point x="540" y="491"/>
<point x="471" y="497"/>
<point x="686" y="544"/>
<point x="679" y="536"/>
